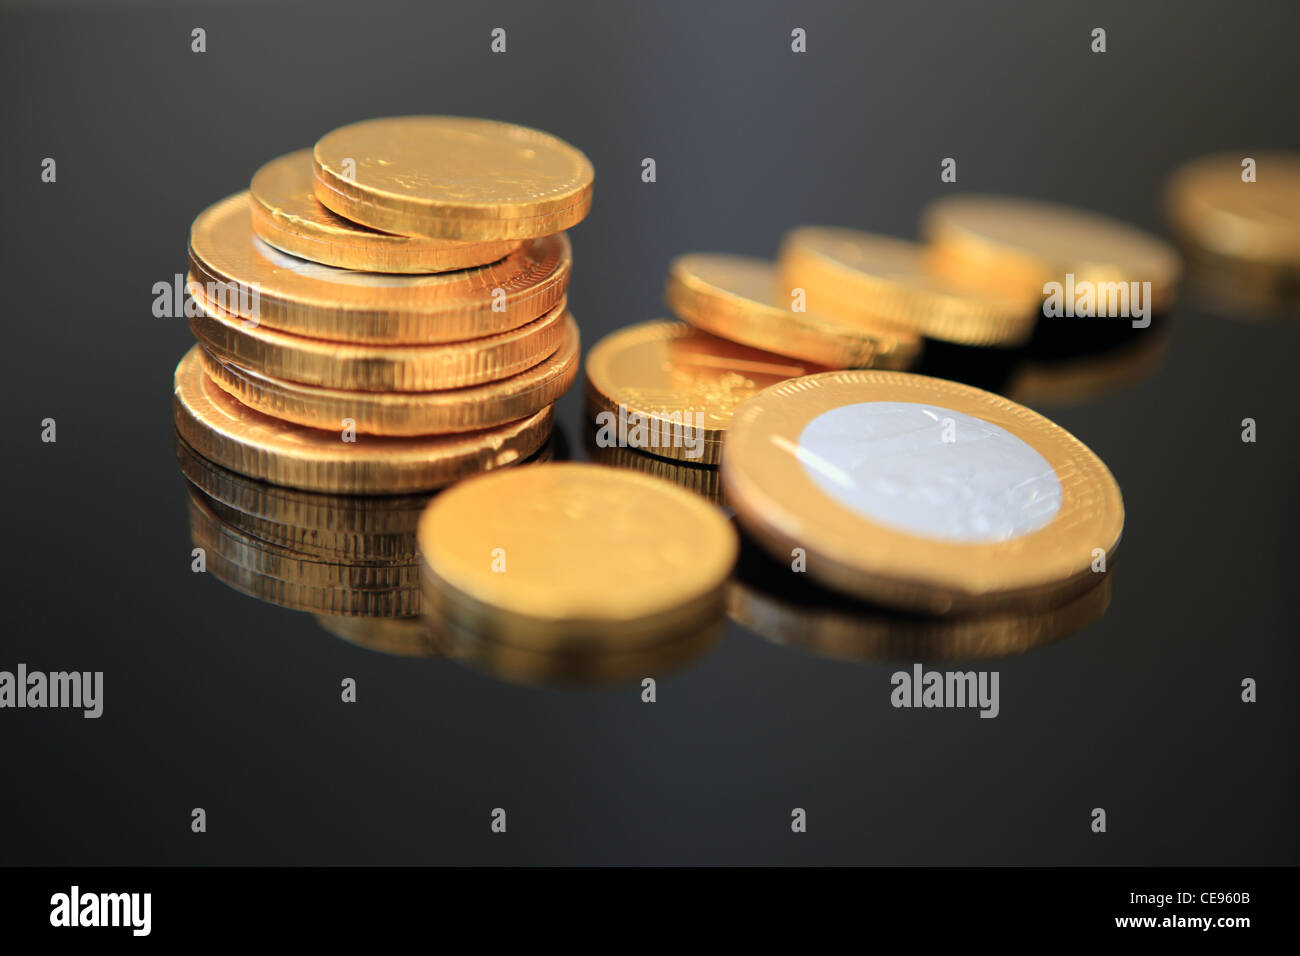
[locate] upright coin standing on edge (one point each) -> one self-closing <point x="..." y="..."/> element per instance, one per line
<point x="452" y="177"/>
<point x="920" y="493"/>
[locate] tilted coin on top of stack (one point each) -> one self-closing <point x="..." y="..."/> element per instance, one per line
<point x="382" y="314"/>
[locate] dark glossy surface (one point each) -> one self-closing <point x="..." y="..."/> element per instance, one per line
<point x="214" y="700"/>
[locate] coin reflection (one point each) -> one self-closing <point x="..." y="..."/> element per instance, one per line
<point x="701" y="479"/>
<point x="1073" y="362"/>
<point x="351" y="560"/>
<point x="521" y="664"/>
<point x="781" y="605"/>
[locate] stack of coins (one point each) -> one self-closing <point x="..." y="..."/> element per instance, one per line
<point x="386" y="312"/>
<point x="1237" y="219"/>
<point x="382" y="314"/>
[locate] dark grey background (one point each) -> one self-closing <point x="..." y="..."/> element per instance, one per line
<point x="216" y="700"/>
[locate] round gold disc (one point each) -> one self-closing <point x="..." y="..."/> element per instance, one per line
<point x="288" y="216"/>
<point x="1259" y="221"/>
<point x="683" y="384"/>
<point x="739" y="298"/>
<point x="236" y="437"/>
<point x="569" y="556"/>
<point x="451" y="177"/>
<point x="920" y="493"/>
<point x="253" y="279"/>
<point x="407" y="413"/>
<point x="374" y="367"/>
<point x="1241" y="239"/>
<point x="858" y="276"/>
<point x="1016" y="246"/>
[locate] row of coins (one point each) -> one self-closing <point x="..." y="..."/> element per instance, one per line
<point x="385" y="312"/>
<point x="840" y="298"/>
<point x="781" y="393"/>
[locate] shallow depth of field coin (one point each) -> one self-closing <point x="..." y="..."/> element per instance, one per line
<point x="856" y="275"/>
<point x="1016" y="246"/>
<point x="739" y="298"/>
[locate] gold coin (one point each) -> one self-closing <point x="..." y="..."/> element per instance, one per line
<point x="1017" y="246"/>
<point x="451" y="177"/>
<point x="248" y="277"/>
<point x="858" y="276"/>
<point x="407" y="413"/>
<point x="670" y="389"/>
<point x="372" y="366"/>
<point x="398" y="636"/>
<point x="298" y="594"/>
<point x="782" y="606"/>
<point x="1241" y="239"/>
<point x="288" y="216"/>
<point x="363" y="518"/>
<point x="920" y="493"/>
<point x="1259" y="221"/>
<point x="737" y="298"/>
<point x="574" y="557"/>
<point x="241" y="439"/>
